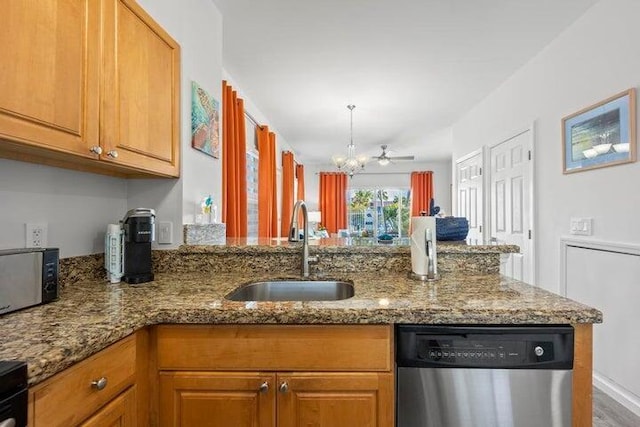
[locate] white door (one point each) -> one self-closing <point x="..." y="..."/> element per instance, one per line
<point x="469" y="185"/>
<point x="510" y="202"/>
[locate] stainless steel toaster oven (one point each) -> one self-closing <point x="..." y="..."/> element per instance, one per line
<point x="28" y="277"/>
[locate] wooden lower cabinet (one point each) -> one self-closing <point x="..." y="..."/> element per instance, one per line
<point x="335" y="400"/>
<point x="217" y="399"/>
<point x="254" y="399"/>
<point x="275" y="375"/>
<point x="120" y="412"/>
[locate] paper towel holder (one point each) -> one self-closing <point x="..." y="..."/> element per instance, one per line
<point x="432" y="274"/>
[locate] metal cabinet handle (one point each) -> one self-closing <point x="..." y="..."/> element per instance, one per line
<point x="284" y="387"/>
<point x="99" y="384"/>
<point x="10" y="422"/>
<point x="113" y="154"/>
<point x="264" y="387"/>
<point x="96" y="149"/>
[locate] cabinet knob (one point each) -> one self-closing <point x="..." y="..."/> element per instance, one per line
<point x="99" y="384"/>
<point x="264" y="387"/>
<point x="96" y="149"/>
<point x="113" y="154"/>
<point x="284" y="387"/>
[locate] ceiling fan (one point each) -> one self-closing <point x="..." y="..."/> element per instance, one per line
<point x="384" y="158"/>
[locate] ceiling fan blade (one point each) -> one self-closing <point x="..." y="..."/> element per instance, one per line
<point x="401" y="157"/>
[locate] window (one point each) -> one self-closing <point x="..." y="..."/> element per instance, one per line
<point x="252" y="180"/>
<point x="378" y="211"/>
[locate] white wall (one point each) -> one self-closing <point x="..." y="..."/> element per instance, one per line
<point x="76" y="206"/>
<point x="392" y="175"/>
<point x="251" y="108"/>
<point x="197" y="26"/>
<point x="590" y="61"/>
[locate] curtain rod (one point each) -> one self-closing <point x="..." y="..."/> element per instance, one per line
<point x="251" y="118"/>
<point x="372" y="173"/>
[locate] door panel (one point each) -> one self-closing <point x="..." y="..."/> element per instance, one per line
<point x="217" y="399"/>
<point x="469" y="188"/>
<point x="336" y="400"/>
<point x="142" y="78"/>
<point x="49" y="85"/>
<point x="510" y="203"/>
<point x="120" y="412"/>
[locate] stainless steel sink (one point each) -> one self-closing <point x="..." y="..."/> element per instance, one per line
<point x="293" y="290"/>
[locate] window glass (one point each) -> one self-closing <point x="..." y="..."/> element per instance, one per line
<point x="252" y="180"/>
<point x="373" y="212"/>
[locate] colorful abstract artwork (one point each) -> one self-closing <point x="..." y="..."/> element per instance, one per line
<point x="205" y="121"/>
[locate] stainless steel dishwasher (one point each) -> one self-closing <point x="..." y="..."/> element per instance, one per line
<point x="489" y="376"/>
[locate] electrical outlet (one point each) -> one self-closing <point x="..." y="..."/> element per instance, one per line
<point x="36" y="235"/>
<point x="165" y="233"/>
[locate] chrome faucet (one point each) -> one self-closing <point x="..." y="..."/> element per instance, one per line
<point x="294" y="235"/>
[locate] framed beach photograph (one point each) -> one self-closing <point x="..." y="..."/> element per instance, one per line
<point x="600" y="135"/>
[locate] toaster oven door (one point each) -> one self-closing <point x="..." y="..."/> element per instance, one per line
<point x="20" y="281"/>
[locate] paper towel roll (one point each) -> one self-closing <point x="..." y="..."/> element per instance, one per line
<point x="419" y="258"/>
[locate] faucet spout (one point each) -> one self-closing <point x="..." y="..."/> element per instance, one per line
<point x="294" y="235"/>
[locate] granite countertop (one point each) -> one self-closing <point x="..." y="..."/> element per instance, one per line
<point x="91" y="315"/>
<point x="340" y="245"/>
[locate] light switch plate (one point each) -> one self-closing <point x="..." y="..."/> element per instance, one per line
<point x="581" y="226"/>
<point x="165" y="233"/>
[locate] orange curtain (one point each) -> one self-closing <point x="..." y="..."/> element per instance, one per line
<point x="234" y="164"/>
<point x="300" y="177"/>
<point x="333" y="200"/>
<point x="267" y="198"/>
<point x="287" y="192"/>
<point x="421" y="191"/>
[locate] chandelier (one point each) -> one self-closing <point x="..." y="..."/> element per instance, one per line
<point x="351" y="164"/>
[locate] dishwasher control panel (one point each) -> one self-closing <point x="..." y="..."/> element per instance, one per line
<point x="485" y="347"/>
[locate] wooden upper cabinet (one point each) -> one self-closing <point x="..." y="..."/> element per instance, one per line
<point x="92" y="85"/>
<point x="140" y="105"/>
<point x="49" y="74"/>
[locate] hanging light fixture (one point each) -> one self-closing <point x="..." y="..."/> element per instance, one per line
<point x="351" y="164"/>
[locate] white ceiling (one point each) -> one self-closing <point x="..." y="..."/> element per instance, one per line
<point x="411" y="67"/>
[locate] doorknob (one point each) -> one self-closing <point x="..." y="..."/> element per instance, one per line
<point x="264" y="387"/>
<point x="284" y="387"/>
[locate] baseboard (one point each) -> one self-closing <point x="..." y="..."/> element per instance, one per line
<point x="618" y="393"/>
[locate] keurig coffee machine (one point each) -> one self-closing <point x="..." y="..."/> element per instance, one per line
<point x="139" y="232"/>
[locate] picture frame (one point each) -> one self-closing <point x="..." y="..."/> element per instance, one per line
<point x="601" y="135"/>
<point x="205" y="121"/>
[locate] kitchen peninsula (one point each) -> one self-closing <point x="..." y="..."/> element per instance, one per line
<point x="184" y="313"/>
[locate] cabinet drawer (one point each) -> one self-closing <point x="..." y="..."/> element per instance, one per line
<point x="275" y="347"/>
<point x="69" y="397"/>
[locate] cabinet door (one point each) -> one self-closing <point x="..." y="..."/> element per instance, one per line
<point x="120" y="412"/>
<point x="49" y="74"/>
<point x="217" y="399"/>
<point x="335" y="400"/>
<point x="141" y="96"/>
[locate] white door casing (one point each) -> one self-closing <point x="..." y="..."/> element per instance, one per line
<point x="469" y="189"/>
<point x="510" y="200"/>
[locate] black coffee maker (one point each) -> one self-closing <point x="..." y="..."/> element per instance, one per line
<point x="139" y="232"/>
